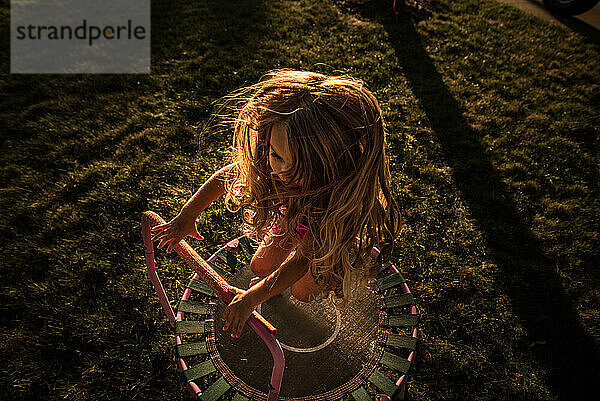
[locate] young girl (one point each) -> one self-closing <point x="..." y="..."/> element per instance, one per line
<point x="310" y="177"/>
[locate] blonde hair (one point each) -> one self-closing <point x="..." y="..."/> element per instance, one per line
<point x="336" y="135"/>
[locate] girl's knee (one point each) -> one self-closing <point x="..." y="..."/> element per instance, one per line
<point x="305" y="289"/>
<point x="300" y="293"/>
<point x="255" y="269"/>
<point x="260" y="271"/>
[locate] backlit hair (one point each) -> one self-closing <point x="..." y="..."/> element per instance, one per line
<point x="336" y="135"/>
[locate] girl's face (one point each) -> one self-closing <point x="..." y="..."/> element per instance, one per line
<point x="280" y="158"/>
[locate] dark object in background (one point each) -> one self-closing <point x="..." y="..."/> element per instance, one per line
<point x="569" y="7"/>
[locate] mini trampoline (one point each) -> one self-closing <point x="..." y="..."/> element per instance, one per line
<point x="326" y="353"/>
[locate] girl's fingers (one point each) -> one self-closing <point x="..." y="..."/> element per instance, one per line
<point x="225" y="319"/>
<point x="233" y="327"/>
<point x="196" y="235"/>
<point x="159" y="235"/>
<point x="172" y="245"/>
<point x="159" y="227"/>
<point x="162" y="243"/>
<point x="164" y="233"/>
<point x="238" y="328"/>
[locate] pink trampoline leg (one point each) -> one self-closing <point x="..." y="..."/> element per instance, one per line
<point x="160" y="291"/>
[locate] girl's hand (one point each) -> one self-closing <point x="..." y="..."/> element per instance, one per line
<point x="175" y="230"/>
<point x="237" y="312"/>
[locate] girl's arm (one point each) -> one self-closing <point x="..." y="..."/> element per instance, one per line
<point x="244" y="302"/>
<point x="184" y="223"/>
<point x="278" y="281"/>
<point x="286" y="274"/>
<point x="212" y="189"/>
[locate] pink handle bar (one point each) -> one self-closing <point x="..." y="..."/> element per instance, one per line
<point x="206" y="273"/>
<point x="226" y="292"/>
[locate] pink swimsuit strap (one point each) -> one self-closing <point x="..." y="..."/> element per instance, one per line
<point x="301" y="229"/>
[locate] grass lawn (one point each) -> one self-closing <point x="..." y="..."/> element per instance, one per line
<point x="493" y="117"/>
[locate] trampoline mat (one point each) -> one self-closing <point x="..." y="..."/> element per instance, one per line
<point x="328" y="352"/>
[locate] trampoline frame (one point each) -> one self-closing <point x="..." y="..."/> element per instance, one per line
<point x="223" y="290"/>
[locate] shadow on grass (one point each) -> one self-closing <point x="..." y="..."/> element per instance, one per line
<point x="591" y="33"/>
<point x="530" y="278"/>
<point x="531" y="281"/>
<point x="573" y="23"/>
